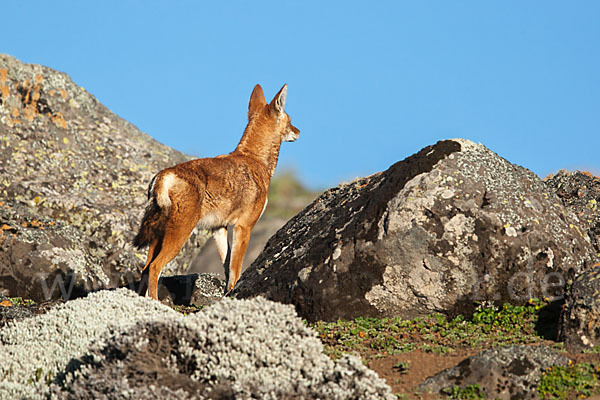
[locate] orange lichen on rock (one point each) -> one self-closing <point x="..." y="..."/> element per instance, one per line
<point x="59" y="120"/>
<point x="32" y="95"/>
<point x="33" y="224"/>
<point x="6" y="303"/>
<point x="589" y="175"/>
<point x="29" y="113"/>
<point x="4" y="91"/>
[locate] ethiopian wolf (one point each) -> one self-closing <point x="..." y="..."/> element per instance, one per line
<point x="215" y="193"/>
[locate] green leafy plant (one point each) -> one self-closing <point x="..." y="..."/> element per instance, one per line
<point x="489" y="325"/>
<point x="402" y="367"/>
<point x="506" y="317"/>
<point x="39" y="375"/>
<point x="471" y="392"/>
<point x="19" y="301"/>
<point x="574" y="381"/>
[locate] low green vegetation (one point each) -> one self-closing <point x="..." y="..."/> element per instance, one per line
<point x="471" y="392"/>
<point x="19" y="301"/>
<point x="402" y="367"/>
<point x="40" y="375"/>
<point x="576" y="381"/>
<point x="488" y="327"/>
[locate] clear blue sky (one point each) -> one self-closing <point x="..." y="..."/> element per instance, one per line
<point x="370" y="83"/>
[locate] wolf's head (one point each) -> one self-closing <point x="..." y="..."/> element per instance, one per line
<point x="275" y="111"/>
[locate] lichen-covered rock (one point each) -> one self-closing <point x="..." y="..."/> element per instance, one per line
<point x="73" y="179"/>
<point x="450" y="225"/>
<point x="580" y="191"/>
<point x="511" y="372"/>
<point x="580" y="319"/>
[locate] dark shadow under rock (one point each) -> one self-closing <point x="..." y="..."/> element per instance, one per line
<point x="548" y="320"/>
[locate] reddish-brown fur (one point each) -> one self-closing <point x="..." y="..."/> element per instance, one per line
<point x="216" y="192"/>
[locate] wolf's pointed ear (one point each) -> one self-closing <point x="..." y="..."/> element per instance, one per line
<point x="278" y="103"/>
<point x="257" y="101"/>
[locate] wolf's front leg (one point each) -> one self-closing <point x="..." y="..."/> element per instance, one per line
<point x="241" y="237"/>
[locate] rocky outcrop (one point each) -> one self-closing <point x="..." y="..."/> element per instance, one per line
<point x="580" y="319"/>
<point x="511" y="372"/>
<point x="453" y="224"/>
<point x="580" y="192"/>
<point x="73" y="180"/>
<point x="116" y="344"/>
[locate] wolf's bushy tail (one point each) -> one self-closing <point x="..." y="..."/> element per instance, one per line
<point x="152" y="226"/>
<point x="156" y="213"/>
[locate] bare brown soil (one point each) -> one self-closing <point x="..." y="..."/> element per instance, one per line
<point x="420" y="366"/>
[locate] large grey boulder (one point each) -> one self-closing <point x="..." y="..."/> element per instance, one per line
<point x="580" y="318"/>
<point x="453" y="224"/>
<point x="511" y="372"/>
<point x="73" y="180"/>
